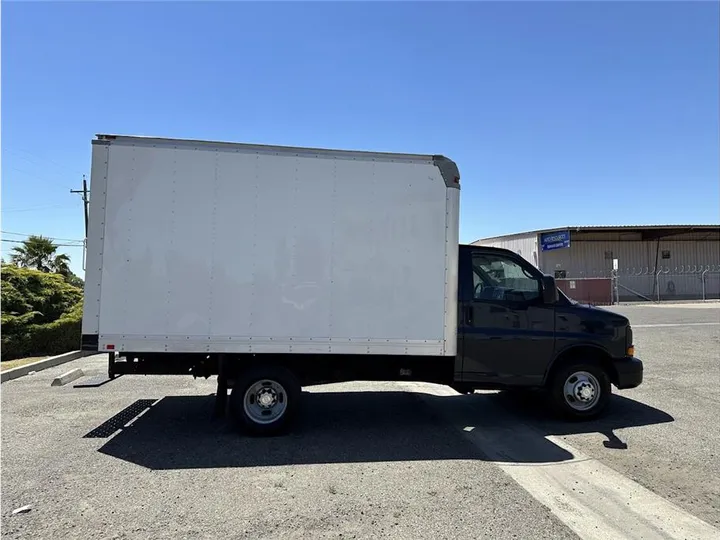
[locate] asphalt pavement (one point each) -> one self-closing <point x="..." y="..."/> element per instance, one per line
<point x="372" y="460"/>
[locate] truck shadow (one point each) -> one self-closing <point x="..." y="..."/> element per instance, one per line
<point x="177" y="432"/>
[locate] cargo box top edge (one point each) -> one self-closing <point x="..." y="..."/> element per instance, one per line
<point x="448" y="168"/>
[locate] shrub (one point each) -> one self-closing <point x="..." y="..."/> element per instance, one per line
<point x="41" y="313"/>
<point x="25" y="290"/>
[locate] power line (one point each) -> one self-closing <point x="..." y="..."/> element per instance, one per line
<point x="38" y="208"/>
<point x="48" y="237"/>
<point x="42" y="178"/>
<point x="35" y="162"/>
<point x="57" y="245"/>
<point x="37" y="159"/>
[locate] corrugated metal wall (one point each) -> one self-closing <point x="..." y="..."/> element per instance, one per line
<point x="594" y="258"/>
<point x="692" y="270"/>
<point x="525" y="245"/>
<point x="688" y="265"/>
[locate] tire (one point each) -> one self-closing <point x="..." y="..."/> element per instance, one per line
<point x="580" y="390"/>
<point x="264" y="400"/>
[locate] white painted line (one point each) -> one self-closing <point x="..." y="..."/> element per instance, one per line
<point x="592" y="499"/>
<point x="706" y="304"/>
<point x="597" y="502"/>
<point x="671" y="325"/>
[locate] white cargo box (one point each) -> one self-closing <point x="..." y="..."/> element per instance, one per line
<point x="212" y="247"/>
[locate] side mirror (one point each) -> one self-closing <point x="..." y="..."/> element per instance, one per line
<point x="549" y="290"/>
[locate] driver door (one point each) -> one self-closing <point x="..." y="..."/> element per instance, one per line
<point x="508" y="333"/>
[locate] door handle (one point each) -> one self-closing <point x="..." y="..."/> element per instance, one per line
<point x="468" y="315"/>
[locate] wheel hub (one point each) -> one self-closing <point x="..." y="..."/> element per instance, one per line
<point x="265" y="401"/>
<point x="266" y="398"/>
<point x="584" y="392"/>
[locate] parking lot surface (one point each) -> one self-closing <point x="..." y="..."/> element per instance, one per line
<point x="368" y="460"/>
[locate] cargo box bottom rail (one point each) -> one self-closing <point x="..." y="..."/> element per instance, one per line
<point x="310" y="369"/>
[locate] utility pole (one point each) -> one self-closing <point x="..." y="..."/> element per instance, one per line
<point x="86" y="201"/>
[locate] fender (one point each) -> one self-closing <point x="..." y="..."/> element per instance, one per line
<point x="568" y="350"/>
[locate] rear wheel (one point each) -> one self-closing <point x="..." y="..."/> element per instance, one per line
<point x="580" y="390"/>
<point x="264" y="400"/>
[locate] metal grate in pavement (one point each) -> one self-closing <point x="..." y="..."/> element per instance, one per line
<point x="120" y="420"/>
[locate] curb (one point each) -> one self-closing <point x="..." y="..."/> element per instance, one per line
<point x="53" y="361"/>
<point x="65" y="378"/>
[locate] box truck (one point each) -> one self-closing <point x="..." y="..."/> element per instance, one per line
<point x="275" y="268"/>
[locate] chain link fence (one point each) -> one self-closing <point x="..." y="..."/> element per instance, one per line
<point x="664" y="283"/>
<point x="692" y="282"/>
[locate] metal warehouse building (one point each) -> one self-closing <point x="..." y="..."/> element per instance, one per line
<point x="624" y="263"/>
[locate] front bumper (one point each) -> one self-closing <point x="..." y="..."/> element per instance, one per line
<point x="628" y="372"/>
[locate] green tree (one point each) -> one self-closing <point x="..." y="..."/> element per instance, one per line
<point x="35" y="252"/>
<point x="61" y="265"/>
<point x="26" y="290"/>
<point x="41" y="312"/>
<point x="40" y="253"/>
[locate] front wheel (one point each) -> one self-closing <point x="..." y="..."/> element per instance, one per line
<point x="264" y="400"/>
<point x="580" y="391"/>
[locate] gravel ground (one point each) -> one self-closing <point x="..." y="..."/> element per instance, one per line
<point x="676" y="457"/>
<point x="367" y="459"/>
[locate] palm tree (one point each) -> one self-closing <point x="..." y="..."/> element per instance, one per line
<point x="40" y="253"/>
<point x="61" y="265"/>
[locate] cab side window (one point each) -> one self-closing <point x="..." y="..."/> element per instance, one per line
<point x="496" y="277"/>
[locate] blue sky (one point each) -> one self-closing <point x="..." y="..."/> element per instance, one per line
<point x="557" y="113"/>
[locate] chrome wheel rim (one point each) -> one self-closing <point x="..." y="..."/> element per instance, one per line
<point x="265" y="401"/>
<point x="581" y="390"/>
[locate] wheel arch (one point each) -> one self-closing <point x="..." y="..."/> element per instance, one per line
<point x="573" y="353"/>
